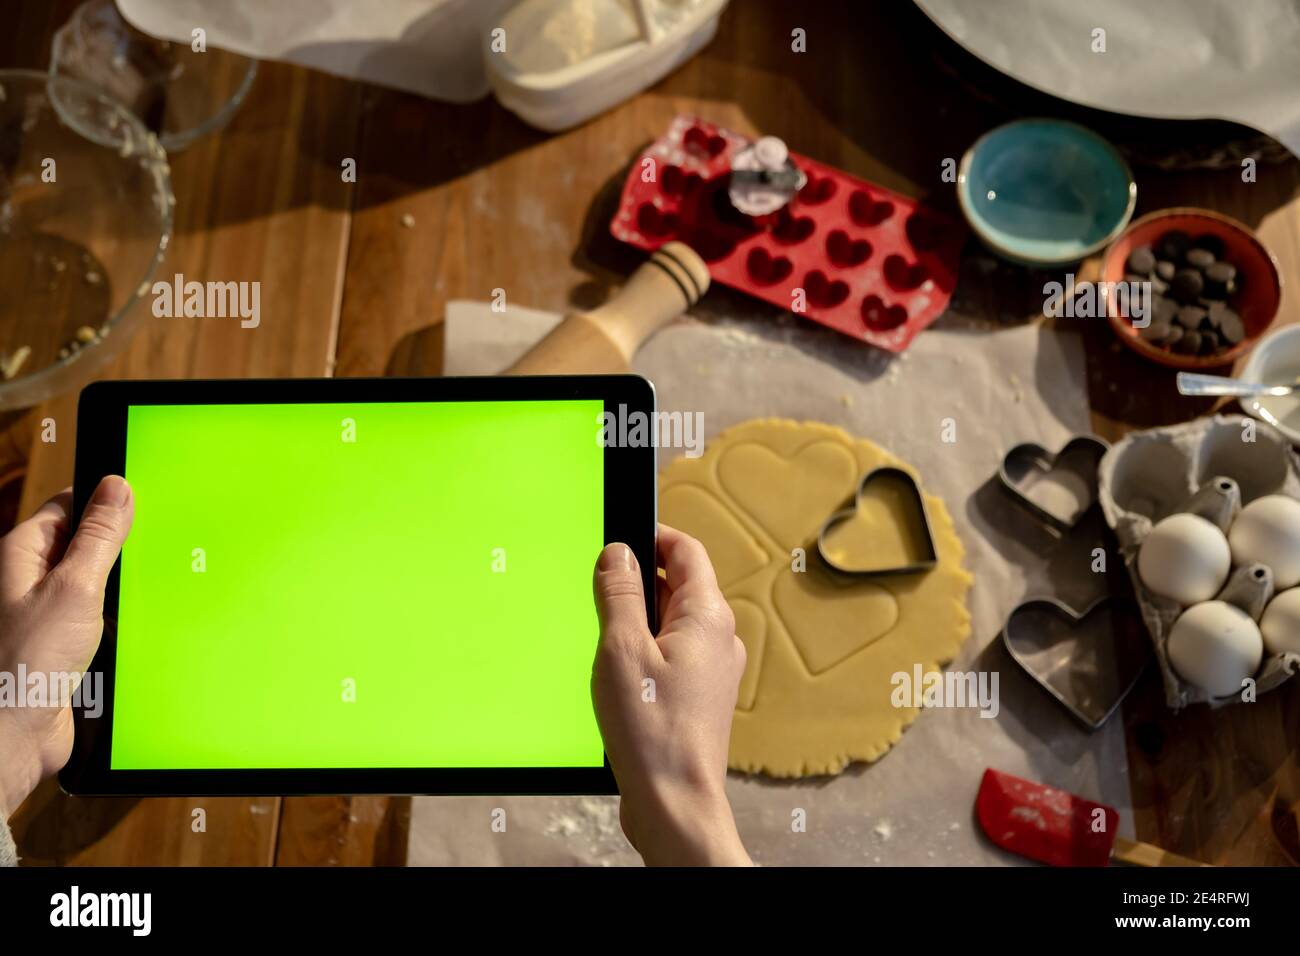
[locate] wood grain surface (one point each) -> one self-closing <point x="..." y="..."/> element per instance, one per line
<point x="460" y="201"/>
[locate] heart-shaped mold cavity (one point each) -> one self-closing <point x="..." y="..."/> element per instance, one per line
<point x="712" y="245"/>
<point x="1087" y="661"/>
<point x="880" y="317"/>
<point x="902" y="275"/>
<point x="654" y="223"/>
<point x="676" y="183"/>
<point x="817" y="190"/>
<point x="1056" y="488"/>
<point x="845" y="252"/>
<point x="703" y="143"/>
<point x="765" y="268"/>
<point x="923" y="232"/>
<point x="866" y="211"/>
<point x="791" y="229"/>
<point x="823" y="292"/>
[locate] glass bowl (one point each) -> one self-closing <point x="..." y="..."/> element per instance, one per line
<point x="179" y="94"/>
<point x="83" y="225"/>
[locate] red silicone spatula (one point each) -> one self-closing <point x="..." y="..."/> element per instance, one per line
<point x="1058" y="828"/>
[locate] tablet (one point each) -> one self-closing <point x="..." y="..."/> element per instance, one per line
<point x="358" y="585"/>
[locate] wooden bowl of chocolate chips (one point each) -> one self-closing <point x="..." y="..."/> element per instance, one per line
<point x="1213" y="288"/>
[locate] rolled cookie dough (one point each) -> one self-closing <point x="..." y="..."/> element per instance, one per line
<point x="816" y="694"/>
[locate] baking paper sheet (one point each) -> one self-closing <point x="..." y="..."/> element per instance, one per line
<point x="1178" y="59"/>
<point x="430" y="47"/>
<point x="1001" y="385"/>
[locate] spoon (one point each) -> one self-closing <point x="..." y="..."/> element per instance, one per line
<point x="1190" y="383"/>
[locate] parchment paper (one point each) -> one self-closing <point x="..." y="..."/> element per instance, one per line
<point x="1179" y="59"/>
<point x="1001" y="385"/>
<point x="429" y="47"/>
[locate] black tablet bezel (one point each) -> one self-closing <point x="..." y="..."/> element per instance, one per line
<point x="630" y="515"/>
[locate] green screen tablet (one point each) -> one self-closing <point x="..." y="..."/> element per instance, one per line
<point x="357" y="586"/>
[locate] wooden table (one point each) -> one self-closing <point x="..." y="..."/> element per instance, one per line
<point x="456" y="201"/>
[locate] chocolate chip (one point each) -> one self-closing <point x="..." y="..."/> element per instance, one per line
<point x="1211" y="244"/>
<point x="1155" y="332"/>
<point x="1231" y="329"/>
<point x="1175" y="334"/>
<point x="1165" y="270"/>
<point x="1191" y="316"/>
<point x="1209" y="343"/>
<point x="1187" y="285"/>
<point x="1141" y="260"/>
<point x="1173" y="245"/>
<point x="1134" y="279"/>
<point x="1219" y="279"/>
<point x="1189" y="344"/>
<point x="1164" y="310"/>
<point x="1200" y="259"/>
<point x="1214" y="313"/>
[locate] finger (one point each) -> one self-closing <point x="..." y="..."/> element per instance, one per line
<point x="57" y="509"/>
<point x="684" y="560"/>
<point x="33" y="547"/>
<point x="98" y="539"/>
<point x="620" y="599"/>
<point x="694" y="596"/>
<point x="45" y="533"/>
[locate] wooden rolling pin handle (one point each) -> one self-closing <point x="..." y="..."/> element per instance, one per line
<point x="605" y="339"/>
<point x="1144" y="854"/>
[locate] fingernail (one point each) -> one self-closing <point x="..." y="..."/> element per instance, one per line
<point x="113" y="492"/>
<point x="617" y="557"/>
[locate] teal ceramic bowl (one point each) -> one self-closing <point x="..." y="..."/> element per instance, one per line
<point x="1044" y="192"/>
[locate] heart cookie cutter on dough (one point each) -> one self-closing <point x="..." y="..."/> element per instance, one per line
<point x="1091" y="695"/>
<point x="1078" y="459"/>
<point x="929" y="555"/>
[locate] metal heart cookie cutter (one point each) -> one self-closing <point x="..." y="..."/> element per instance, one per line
<point x="1058" y="489"/>
<point x="1088" y="661"/>
<point x="921" y="532"/>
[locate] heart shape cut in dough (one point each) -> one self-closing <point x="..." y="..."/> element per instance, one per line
<point x="817" y="691"/>
<point x="1089" y="661"/>
<point x="885" y="532"/>
<point x="829" y="622"/>
<point x="819" y="476"/>
<point x="751" y="628"/>
<point x="734" y="551"/>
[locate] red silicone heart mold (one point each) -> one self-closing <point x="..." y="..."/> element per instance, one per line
<point x="860" y="259"/>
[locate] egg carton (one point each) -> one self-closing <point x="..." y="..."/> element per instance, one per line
<point x="1152" y="474"/>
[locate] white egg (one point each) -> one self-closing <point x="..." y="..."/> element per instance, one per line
<point x="1268" y="531"/>
<point x="1280" y="624"/>
<point x="1215" y="646"/>
<point x="1185" y="558"/>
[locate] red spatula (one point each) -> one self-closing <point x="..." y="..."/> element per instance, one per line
<point x="1058" y="828"/>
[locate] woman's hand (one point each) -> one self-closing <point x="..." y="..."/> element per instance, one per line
<point x="51" y="619"/>
<point x="664" y="704"/>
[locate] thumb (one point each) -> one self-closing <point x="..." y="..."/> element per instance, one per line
<point x="99" y="536"/>
<point x="620" y="599"/>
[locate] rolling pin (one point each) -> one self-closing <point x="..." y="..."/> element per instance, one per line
<point x="604" y="340"/>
